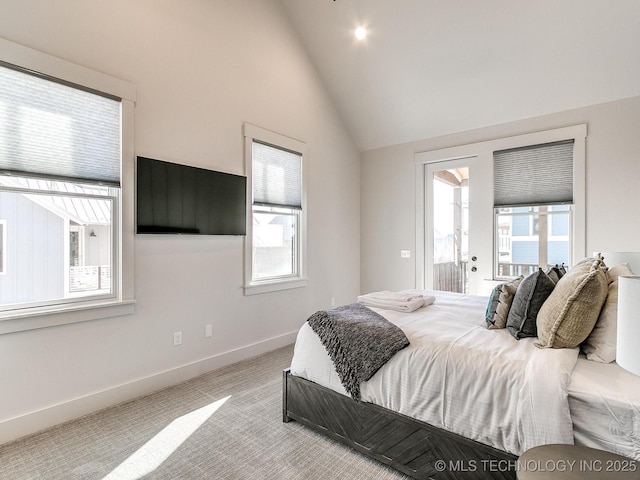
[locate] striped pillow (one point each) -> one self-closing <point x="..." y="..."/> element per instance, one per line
<point x="500" y="303"/>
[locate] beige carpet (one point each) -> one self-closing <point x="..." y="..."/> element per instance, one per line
<point x="226" y="424"/>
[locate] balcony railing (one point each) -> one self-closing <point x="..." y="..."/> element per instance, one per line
<point x="508" y="269"/>
<point x="450" y="276"/>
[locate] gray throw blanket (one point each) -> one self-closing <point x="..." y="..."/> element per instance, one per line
<point x="359" y="342"/>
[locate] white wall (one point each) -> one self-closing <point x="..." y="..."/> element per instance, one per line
<point x="202" y="68"/>
<point x="612" y="171"/>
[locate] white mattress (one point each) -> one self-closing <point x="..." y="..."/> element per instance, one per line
<point x="460" y="376"/>
<point x="604" y="402"/>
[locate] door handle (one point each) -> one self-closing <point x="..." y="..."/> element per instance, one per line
<point x="474" y="258"/>
<point x="474" y="269"/>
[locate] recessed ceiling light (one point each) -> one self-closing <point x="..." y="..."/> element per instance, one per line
<point x="361" y="32"/>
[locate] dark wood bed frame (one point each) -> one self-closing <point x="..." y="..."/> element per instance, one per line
<point x="406" y="444"/>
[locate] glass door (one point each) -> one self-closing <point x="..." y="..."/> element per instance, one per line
<point x="456" y="256"/>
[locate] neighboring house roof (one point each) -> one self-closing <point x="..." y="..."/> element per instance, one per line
<point x="74" y="207"/>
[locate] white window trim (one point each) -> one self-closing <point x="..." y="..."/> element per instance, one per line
<point x="3" y="243"/>
<point x="251" y="133"/>
<point x="484" y="151"/>
<point x="41" y="317"/>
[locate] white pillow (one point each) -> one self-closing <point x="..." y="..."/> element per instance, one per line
<point x="600" y="345"/>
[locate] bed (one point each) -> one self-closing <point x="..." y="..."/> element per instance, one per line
<point x="464" y="398"/>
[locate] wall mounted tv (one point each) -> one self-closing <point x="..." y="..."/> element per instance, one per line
<point x="179" y="199"/>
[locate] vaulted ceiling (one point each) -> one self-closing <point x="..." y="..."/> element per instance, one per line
<point x="433" y="67"/>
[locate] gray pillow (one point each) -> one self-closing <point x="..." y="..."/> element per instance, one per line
<point x="531" y="294"/>
<point x="555" y="273"/>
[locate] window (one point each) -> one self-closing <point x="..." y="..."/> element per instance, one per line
<point x="276" y="231"/>
<point x="65" y="150"/>
<point x="533" y="201"/>
<point x="531" y="237"/>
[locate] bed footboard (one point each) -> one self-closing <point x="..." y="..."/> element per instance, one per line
<point x="408" y="445"/>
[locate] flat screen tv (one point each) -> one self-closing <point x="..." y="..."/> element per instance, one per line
<point x="179" y="199"/>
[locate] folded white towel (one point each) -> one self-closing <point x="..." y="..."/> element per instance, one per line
<point x="401" y="302"/>
<point x="428" y="299"/>
<point x="393" y="296"/>
<point x="410" y="306"/>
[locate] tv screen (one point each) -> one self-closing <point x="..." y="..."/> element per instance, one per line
<point x="173" y="198"/>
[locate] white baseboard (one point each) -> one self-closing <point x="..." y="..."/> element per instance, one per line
<point x="36" y="421"/>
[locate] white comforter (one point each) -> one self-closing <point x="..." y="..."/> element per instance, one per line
<point x="458" y="375"/>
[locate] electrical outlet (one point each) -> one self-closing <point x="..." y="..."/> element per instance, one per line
<point x="333" y="302"/>
<point x="405" y="253"/>
<point x="208" y="330"/>
<point x="177" y="338"/>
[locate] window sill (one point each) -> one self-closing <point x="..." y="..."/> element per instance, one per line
<point x="274" y="286"/>
<point x="31" y="319"/>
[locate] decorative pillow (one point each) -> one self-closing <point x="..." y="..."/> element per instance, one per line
<point x="507" y="293"/>
<point x="552" y="274"/>
<point x="556" y="272"/>
<point x="623" y="269"/>
<point x="500" y="303"/>
<point x="600" y="345"/>
<point x="490" y="312"/>
<point x="568" y="316"/>
<point x="588" y="260"/>
<point x="562" y="270"/>
<point x="531" y="294"/>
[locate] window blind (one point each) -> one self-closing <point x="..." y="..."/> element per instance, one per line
<point x="49" y="129"/>
<point x="534" y="175"/>
<point x="277" y="176"/>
